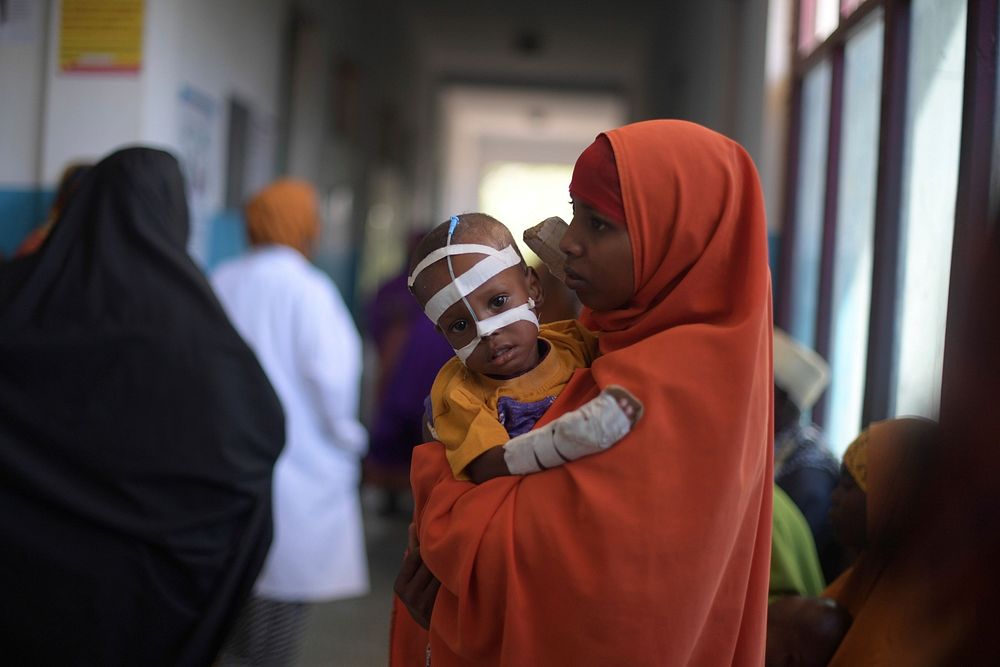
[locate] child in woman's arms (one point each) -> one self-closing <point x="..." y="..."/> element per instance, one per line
<point x="474" y="285"/>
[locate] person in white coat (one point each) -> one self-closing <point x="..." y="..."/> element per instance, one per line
<point x="292" y="316"/>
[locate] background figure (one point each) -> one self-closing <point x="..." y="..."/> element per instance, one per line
<point x="410" y="353"/>
<point x="820" y="627"/>
<point x="795" y="568"/>
<point x="804" y="468"/>
<point x="70" y="180"/>
<point x="293" y="317"/>
<point x="137" y="440"/>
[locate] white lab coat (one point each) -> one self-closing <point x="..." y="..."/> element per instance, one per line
<point x="292" y="316"/>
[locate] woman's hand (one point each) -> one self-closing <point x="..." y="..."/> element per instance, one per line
<point x="415" y="585"/>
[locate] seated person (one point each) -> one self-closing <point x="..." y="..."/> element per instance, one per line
<point x="874" y="508"/>
<point x="803" y="466"/>
<point x="794" y="565"/>
<point x="804" y="631"/>
<point x="472" y="282"/>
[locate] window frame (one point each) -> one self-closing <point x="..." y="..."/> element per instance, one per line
<point x="978" y="190"/>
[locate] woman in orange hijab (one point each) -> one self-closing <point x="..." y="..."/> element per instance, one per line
<point x="657" y="551"/>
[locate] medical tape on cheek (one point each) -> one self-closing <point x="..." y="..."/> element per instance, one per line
<point x="523" y="312"/>
<point x="467" y="283"/>
<point x="490" y="325"/>
<point x="463" y="353"/>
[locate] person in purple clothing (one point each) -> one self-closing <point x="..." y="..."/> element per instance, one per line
<point x="410" y="353"/>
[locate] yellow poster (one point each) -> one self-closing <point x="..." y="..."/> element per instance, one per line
<point x="101" y="36"/>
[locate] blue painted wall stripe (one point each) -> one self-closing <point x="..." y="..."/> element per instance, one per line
<point x="21" y="210"/>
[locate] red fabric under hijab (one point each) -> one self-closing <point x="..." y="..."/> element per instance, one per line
<point x="657" y="551"/>
<point x="595" y="180"/>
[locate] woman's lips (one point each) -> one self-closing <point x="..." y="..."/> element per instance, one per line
<point x="573" y="280"/>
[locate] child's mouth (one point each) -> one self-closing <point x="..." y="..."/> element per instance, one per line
<point x="501" y="354"/>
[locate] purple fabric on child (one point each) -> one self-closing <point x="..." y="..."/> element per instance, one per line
<point x="518" y="417"/>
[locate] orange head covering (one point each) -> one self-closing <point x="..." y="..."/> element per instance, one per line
<point x="898" y="454"/>
<point x="284" y="213"/>
<point x="595" y="180"/>
<point x="657" y="550"/>
<point x="856" y="460"/>
<point x="888" y="461"/>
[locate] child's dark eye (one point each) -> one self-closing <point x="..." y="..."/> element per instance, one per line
<point x="499" y="301"/>
<point x="458" y="326"/>
<point x="598" y="225"/>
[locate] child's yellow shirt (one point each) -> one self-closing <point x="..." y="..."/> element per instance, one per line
<point x="472" y="412"/>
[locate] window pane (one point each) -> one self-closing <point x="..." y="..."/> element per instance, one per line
<point x="807" y="25"/>
<point x="810" y="187"/>
<point x="852" y="273"/>
<point x="933" y="126"/>
<point x="847" y="7"/>
<point x="516" y="193"/>
<point x="827" y="16"/>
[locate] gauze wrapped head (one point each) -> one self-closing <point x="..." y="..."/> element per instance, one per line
<point x="497" y="252"/>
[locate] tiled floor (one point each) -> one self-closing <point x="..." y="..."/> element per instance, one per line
<point x="355" y="633"/>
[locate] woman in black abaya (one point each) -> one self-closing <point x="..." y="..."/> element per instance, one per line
<point x="137" y="436"/>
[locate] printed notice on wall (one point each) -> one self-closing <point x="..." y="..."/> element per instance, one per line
<point x="101" y="36"/>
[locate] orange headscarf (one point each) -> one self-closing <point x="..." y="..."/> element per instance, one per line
<point x="897" y="453"/>
<point x="284" y="213"/>
<point x="655" y="552"/>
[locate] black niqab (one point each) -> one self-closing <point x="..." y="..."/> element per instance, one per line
<point x="137" y="436"/>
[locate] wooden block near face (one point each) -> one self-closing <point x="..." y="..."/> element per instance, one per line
<point x="543" y="239"/>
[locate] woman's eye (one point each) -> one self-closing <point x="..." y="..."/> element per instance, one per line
<point x="499" y="301"/>
<point x="458" y="326"/>
<point x="598" y="225"/>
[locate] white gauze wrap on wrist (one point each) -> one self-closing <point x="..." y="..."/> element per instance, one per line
<point x="593" y="427"/>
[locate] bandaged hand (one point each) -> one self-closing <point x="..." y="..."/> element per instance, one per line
<point x="592" y="428"/>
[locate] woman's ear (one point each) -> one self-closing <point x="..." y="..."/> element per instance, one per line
<point x="535" y="288"/>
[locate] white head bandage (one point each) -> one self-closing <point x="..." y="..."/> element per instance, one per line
<point x="460" y="287"/>
<point x="466" y="284"/>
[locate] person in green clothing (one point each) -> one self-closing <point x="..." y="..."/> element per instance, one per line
<point x="796" y="583"/>
<point x="795" y="568"/>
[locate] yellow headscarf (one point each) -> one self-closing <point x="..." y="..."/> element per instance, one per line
<point x="856" y="460"/>
<point x="284" y="213"/>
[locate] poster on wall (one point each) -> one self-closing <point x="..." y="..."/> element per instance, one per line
<point x="101" y="36"/>
<point x="195" y="143"/>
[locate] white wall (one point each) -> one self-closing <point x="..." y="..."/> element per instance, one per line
<point x="85" y="115"/>
<point x="220" y="48"/>
<point x="48" y="118"/>
<point x="22" y="58"/>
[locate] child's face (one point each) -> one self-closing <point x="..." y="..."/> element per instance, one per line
<point x="509" y="351"/>
<point x="848" y="512"/>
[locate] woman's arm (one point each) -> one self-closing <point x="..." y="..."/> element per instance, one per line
<point x="600" y="546"/>
<point x="592" y="428"/>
